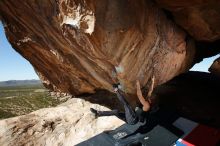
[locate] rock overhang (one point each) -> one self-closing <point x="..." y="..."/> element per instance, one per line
<point x="81" y="46"/>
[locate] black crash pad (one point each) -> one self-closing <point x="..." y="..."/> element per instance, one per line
<point x="158" y="136"/>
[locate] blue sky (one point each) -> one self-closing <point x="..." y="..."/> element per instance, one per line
<point x="205" y="64"/>
<point x="14" y="67"/>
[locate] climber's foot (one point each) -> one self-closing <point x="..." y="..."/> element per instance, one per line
<point x="95" y="112"/>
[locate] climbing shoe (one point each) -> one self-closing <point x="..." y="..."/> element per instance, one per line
<point x="95" y="112"/>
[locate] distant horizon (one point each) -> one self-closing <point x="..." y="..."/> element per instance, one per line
<point x="40" y="79"/>
<point x="20" y="80"/>
<point x="17" y="67"/>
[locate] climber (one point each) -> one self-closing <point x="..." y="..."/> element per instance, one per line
<point x="130" y="116"/>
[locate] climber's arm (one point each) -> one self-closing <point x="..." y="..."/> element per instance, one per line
<point x="145" y="103"/>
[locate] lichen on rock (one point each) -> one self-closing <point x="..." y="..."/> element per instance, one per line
<point x="78" y="15"/>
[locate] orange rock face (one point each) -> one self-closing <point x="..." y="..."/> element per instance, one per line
<point x="80" y="46"/>
<point x="200" y="18"/>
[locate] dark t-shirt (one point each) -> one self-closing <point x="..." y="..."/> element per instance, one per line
<point x="147" y="119"/>
<point x="142" y="115"/>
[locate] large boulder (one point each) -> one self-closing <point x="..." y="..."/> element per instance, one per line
<point x="80" y="46"/>
<point x="193" y="95"/>
<point x="67" y="124"/>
